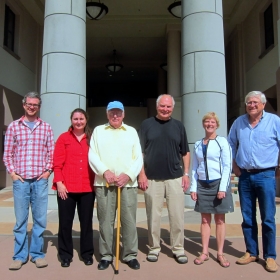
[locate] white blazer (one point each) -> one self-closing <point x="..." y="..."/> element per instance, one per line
<point x="217" y="163"/>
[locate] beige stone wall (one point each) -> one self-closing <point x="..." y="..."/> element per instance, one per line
<point x="248" y="67"/>
<point x="253" y="32"/>
<point x="260" y="65"/>
<point x="20" y="70"/>
<point x="10" y="109"/>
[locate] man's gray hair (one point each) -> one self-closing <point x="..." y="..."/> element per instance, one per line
<point x="32" y="94"/>
<point x="256" y="93"/>
<point x="160" y="96"/>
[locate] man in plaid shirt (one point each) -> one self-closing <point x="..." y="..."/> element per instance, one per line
<point x="28" y="157"/>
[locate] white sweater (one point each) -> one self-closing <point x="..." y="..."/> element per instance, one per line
<point x="117" y="150"/>
<point x="216" y="165"/>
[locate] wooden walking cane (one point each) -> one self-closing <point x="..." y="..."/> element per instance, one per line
<point x="118" y="232"/>
<point x="118" y="229"/>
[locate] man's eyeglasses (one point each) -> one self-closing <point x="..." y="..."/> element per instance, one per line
<point x="252" y="103"/>
<point x="32" y="105"/>
<point x="115" y="113"/>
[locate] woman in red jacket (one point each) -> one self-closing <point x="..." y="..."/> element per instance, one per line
<point x="73" y="180"/>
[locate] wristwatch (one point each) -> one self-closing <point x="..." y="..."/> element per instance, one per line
<point x="186" y="174"/>
<point x="49" y="170"/>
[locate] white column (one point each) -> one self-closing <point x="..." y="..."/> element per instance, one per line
<point x="203" y="67"/>
<point x="174" y="61"/>
<point x="63" y="84"/>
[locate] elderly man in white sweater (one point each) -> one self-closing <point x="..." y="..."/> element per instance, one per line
<point x="115" y="157"/>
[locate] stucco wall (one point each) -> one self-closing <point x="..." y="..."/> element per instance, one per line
<point x="248" y="66"/>
<point x="253" y="33"/>
<point x="19" y="72"/>
<point x="10" y="109"/>
<point x="263" y="74"/>
<point x="260" y="71"/>
<point x="14" y="75"/>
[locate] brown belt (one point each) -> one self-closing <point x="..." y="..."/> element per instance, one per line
<point x="259" y="170"/>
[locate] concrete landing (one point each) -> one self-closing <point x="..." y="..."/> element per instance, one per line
<point x="165" y="268"/>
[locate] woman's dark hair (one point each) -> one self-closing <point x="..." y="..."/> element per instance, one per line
<point x="88" y="130"/>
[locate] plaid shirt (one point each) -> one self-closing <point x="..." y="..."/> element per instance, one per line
<point x="28" y="152"/>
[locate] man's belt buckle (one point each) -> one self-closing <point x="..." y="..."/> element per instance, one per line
<point x="258" y="170"/>
<point x="253" y="170"/>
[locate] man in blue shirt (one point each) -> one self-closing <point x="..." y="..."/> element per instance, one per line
<point x="255" y="141"/>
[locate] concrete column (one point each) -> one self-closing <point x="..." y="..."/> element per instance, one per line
<point x="203" y="66"/>
<point x="63" y="84"/>
<point x="174" y="61"/>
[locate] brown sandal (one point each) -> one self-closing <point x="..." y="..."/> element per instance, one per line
<point x="221" y="259"/>
<point x="199" y="260"/>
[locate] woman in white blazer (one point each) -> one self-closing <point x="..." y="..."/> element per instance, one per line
<point x="210" y="187"/>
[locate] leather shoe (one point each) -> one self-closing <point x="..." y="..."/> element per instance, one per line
<point x="88" y="261"/>
<point x="65" y="262"/>
<point x="247" y="258"/>
<point x="271" y="265"/>
<point x="104" y="264"/>
<point x="134" y="264"/>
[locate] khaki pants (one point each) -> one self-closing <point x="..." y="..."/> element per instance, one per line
<point x="154" y="197"/>
<point x="106" y="213"/>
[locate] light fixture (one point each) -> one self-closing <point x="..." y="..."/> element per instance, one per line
<point x="175" y="9"/>
<point x="96" y="10"/>
<point x="115" y="66"/>
<point x="164" y="66"/>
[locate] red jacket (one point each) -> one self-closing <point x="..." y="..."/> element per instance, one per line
<point x="70" y="164"/>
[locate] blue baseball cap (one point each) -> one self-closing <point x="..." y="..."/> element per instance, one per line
<point x="115" y="105"/>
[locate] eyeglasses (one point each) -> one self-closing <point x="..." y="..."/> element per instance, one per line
<point x="32" y="105"/>
<point x="115" y="113"/>
<point x="252" y="103"/>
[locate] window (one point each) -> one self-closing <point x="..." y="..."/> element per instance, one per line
<point x="9" y="28"/>
<point x="268" y="27"/>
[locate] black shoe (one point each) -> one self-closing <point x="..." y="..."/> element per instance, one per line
<point x="134" y="264"/>
<point x="103" y="264"/>
<point x="65" y="262"/>
<point x="88" y="261"/>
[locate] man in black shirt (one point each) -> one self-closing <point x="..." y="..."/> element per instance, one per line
<point x="164" y="145"/>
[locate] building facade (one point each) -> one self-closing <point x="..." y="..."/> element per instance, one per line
<point x="216" y="53"/>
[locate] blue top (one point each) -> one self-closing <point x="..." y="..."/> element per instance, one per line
<point x="255" y="147"/>
<point x="204" y="150"/>
<point x="30" y="124"/>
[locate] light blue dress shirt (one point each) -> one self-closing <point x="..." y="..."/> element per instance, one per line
<point x="255" y="147"/>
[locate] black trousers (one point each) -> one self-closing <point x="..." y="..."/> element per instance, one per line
<point x="66" y="213"/>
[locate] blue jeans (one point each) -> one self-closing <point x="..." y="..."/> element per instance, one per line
<point x="259" y="186"/>
<point x="34" y="193"/>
